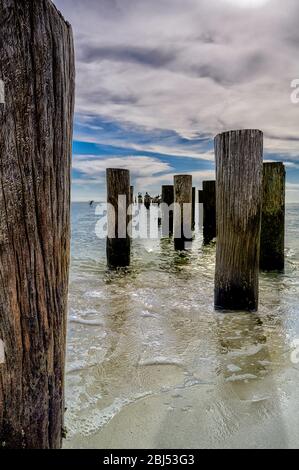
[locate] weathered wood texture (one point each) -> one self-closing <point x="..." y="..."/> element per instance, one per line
<point x="193" y="207"/>
<point x="118" y="240"/>
<point x="273" y="218"/>
<point x="209" y="211"/>
<point x="167" y="215"/>
<point x="182" y="211"/>
<point x="37" y="67"/>
<point x="238" y="205"/>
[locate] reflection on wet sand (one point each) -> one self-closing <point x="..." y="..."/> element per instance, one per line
<point x="248" y="353"/>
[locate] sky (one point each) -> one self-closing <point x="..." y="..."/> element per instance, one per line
<point x="158" y="79"/>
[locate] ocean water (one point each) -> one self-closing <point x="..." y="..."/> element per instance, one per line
<point x="150" y="364"/>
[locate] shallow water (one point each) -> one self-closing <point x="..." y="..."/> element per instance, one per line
<point x="152" y="365"/>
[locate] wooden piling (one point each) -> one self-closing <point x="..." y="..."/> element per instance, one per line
<point x="37" y="67"/>
<point x="118" y="199"/>
<point x="209" y="211"/>
<point x="193" y="207"/>
<point x="147" y="201"/>
<point x="182" y="211"/>
<point x="200" y="196"/>
<point x="238" y="205"/>
<point x="273" y="217"/>
<point x="200" y="206"/>
<point x="167" y="215"/>
<point x="131" y="194"/>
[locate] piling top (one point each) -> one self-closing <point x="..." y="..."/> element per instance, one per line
<point x="274" y="164"/>
<point x="182" y="176"/>
<point x="108" y="170"/>
<point x="51" y="4"/>
<point x="209" y="186"/>
<point x="238" y="131"/>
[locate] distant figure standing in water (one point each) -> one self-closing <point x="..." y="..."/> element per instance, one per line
<point x="147" y="200"/>
<point x="91" y="203"/>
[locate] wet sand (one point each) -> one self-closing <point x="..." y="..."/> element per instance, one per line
<point x="231" y="415"/>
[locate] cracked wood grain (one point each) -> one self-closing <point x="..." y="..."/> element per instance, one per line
<point x="37" y="67"/>
<point x="239" y="172"/>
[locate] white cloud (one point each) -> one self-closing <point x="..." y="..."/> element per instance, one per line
<point x="191" y="66"/>
<point x="94" y="166"/>
<point x="147" y="174"/>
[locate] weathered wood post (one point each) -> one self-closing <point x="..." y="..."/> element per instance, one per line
<point x="200" y="196"/>
<point x="131" y="194"/>
<point x="238" y="205"/>
<point x="200" y="205"/>
<point x="118" y="199"/>
<point x="167" y="215"/>
<point x="273" y="217"/>
<point x="182" y="211"/>
<point x="193" y="207"/>
<point x="37" y="68"/>
<point x="209" y="211"/>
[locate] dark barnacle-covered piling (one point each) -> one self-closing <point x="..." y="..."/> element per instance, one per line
<point x="182" y="211"/>
<point x="273" y="218"/>
<point x="209" y="211"/>
<point x="167" y="201"/>
<point x="118" y="199"/>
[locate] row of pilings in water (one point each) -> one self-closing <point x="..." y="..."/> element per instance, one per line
<point x="244" y="209"/>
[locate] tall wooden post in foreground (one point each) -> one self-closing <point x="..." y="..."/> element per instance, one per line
<point x="37" y="68"/>
<point x="182" y="211"/>
<point x="238" y="205"/>
<point x="273" y="217"/>
<point x="118" y="199"/>
<point x="209" y="211"/>
<point x="167" y="201"/>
